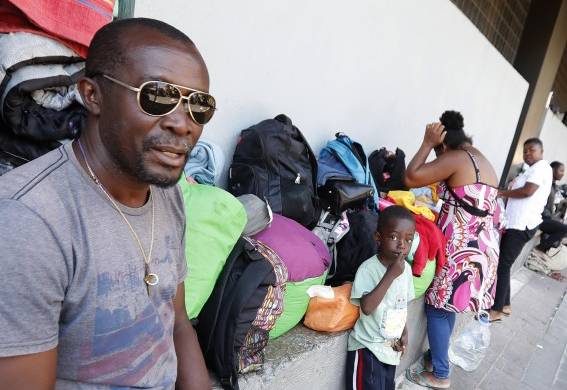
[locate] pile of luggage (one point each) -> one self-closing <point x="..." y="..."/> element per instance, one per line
<point x="289" y="221"/>
<point x="42" y="55"/>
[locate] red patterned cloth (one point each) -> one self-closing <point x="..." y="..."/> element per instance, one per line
<point x="71" y="22"/>
<point x="251" y="353"/>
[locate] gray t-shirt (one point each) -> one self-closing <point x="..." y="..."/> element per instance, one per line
<point x="72" y="277"/>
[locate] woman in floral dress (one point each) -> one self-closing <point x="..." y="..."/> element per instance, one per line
<point x="467" y="282"/>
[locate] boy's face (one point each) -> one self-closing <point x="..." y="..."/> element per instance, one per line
<point x="533" y="152"/>
<point x="395" y="239"/>
<point x="558" y="172"/>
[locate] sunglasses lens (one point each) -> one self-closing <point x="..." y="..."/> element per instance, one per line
<point x="202" y="107"/>
<point x="158" y="98"/>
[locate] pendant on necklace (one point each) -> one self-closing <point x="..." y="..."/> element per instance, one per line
<point x="151" y="279"/>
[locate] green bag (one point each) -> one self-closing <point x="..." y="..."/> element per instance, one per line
<point x="295" y="305"/>
<point x="421" y="283"/>
<point x="215" y="220"/>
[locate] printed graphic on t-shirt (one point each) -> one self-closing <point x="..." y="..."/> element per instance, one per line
<point x="131" y="333"/>
<point x="394" y="320"/>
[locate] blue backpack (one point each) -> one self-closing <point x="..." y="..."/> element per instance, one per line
<point x="342" y="157"/>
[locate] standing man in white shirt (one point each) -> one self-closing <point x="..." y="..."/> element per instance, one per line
<point x="527" y="197"/>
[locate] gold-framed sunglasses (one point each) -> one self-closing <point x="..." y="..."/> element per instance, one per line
<point x="159" y="98"/>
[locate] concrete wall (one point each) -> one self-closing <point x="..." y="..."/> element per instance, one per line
<point x="554" y="138"/>
<point x="377" y="69"/>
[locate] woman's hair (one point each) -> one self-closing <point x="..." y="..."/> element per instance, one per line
<point x="556" y="164"/>
<point x="454" y="123"/>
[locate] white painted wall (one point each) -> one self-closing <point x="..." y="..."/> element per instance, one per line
<point x="554" y="137"/>
<point x="376" y="69"/>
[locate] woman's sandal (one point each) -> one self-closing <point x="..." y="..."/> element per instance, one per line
<point x="419" y="379"/>
<point x="494" y="318"/>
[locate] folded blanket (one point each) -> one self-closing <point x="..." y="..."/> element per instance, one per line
<point x="205" y="162"/>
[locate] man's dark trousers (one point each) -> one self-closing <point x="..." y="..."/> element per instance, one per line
<point x="511" y="245"/>
<point x="554" y="231"/>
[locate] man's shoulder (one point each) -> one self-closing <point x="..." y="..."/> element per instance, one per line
<point x="172" y="195"/>
<point x="171" y="199"/>
<point x="35" y="178"/>
<point x="174" y="192"/>
<point x="543" y="167"/>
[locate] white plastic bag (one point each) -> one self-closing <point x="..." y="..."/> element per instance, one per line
<point x="469" y="348"/>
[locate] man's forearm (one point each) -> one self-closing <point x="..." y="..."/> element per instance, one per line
<point x="518" y="193"/>
<point x="192" y="372"/>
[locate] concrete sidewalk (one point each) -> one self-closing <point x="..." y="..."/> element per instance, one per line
<point x="528" y="350"/>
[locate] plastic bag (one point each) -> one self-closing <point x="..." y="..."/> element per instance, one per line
<point x="469" y="348"/>
<point x="332" y="315"/>
<point x="500" y="215"/>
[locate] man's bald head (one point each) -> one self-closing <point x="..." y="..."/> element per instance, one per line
<point x="108" y="48"/>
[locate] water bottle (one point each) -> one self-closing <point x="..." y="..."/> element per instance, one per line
<point x="469" y="348"/>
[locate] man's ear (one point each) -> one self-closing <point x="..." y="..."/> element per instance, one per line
<point x="91" y="94"/>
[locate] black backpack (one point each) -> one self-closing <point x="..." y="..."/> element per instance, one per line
<point x="233" y="326"/>
<point x="355" y="247"/>
<point x="273" y="161"/>
<point x="388" y="171"/>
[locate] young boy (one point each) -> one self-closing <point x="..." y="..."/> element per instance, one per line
<point x="382" y="288"/>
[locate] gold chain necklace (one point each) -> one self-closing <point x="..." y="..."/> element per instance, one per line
<point x="150" y="278"/>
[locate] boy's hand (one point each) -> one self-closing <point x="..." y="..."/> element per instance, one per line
<point x="404" y="341"/>
<point x="397" y="267"/>
<point x="401" y="344"/>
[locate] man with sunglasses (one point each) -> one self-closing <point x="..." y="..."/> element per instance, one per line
<point x="92" y="234"/>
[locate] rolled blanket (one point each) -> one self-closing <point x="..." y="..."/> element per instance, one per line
<point x="205" y="162"/>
